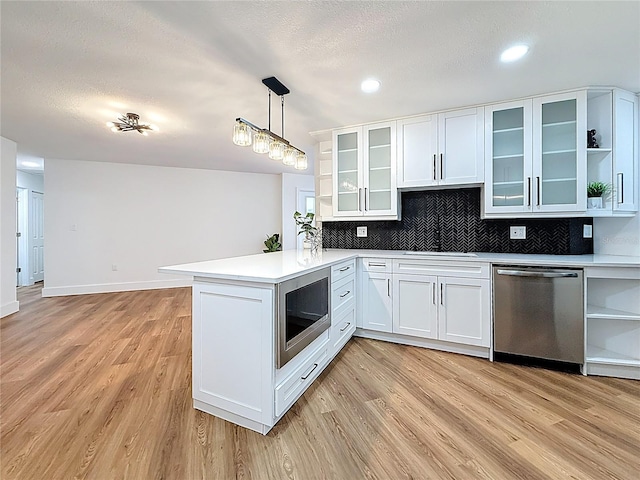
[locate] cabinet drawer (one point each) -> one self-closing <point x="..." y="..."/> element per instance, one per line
<point x="377" y="264"/>
<point x="294" y="385"/>
<point x="342" y="328"/>
<point x="441" y="268"/>
<point x="343" y="292"/>
<point x="342" y="270"/>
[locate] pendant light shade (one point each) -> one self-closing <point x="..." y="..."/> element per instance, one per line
<point x="276" y="150"/>
<point x="264" y="140"/>
<point x="301" y="162"/>
<point x="241" y="134"/>
<point x="261" y="142"/>
<point x="290" y="155"/>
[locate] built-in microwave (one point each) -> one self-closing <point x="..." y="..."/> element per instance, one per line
<point x="303" y="313"/>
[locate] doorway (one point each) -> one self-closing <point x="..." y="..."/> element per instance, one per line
<point x="22" y="236"/>
<point x="306" y="203"/>
<point x="30" y="236"/>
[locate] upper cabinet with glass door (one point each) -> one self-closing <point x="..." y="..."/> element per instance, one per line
<point x="535" y="154"/>
<point x="559" y="152"/>
<point x="365" y="179"/>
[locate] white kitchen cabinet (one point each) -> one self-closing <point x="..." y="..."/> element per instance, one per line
<point x="444" y="308"/>
<point x="375" y="301"/>
<point x="415" y="305"/>
<point x="535" y="155"/>
<point x="613" y="322"/>
<point x="441" y="149"/>
<point x="343" y="305"/>
<point x="364" y="172"/>
<point x="464" y="311"/>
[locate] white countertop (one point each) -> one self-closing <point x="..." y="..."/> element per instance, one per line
<point x="277" y="267"/>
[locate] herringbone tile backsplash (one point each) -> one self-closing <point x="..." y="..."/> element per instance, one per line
<point x="449" y="221"/>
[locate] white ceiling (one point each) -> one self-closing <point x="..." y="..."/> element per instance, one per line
<point x="193" y="67"/>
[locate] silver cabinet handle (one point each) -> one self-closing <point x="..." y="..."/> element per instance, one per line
<point x="441" y="294"/>
<point x="371" y="264"/>
<point x="434" y="166"/>
<point x="344" y="269"/>
<point x="315" y="365"/>
<point x="388" y="287"/>
<point x="441" y="173"/>
<point x="525" y="273"/>
<point x="365" y="200"/>
<point x="529" y="191"/>
<point x="620" y="179"/>
<point x="345" y="327"/>
<point x="345" y="294"/>
<point x="359" y="199"/>
<point x="434" y="293"/>
<point x="538" y="191"/>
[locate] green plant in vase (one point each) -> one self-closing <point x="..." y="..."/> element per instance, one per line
<point x="595" y="193"/>
<point x="272" y="243"/>
<point x="305" y="224"/>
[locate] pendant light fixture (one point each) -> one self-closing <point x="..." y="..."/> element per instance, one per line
<point x="130" y="122"/>
<point x="264" y="140"/>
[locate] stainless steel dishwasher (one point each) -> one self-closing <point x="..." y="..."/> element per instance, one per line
<point x="539" y="312"/>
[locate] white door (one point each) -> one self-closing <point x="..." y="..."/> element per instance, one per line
<point x="380" y="191"/>
<point x="464" y="315"/>
<point x="461" y="146"/>
<point x="36" y="236"/>
<point x="347" y="168"/>
<point x="417" y="144"/>
<point x="625" y="151"/>
<point x="23" y="236"/>
<point x="376" y="301"/>
<point x="415" y="305"/>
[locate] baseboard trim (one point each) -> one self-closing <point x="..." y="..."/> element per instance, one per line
<point x="9" y="308"/>
<point x="114" y="287"/>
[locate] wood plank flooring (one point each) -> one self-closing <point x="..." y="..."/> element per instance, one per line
<point x="99" y="387"/>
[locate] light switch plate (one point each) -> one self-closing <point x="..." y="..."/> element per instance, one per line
<point x="587" y="231"/>
<point x="517" y="233"/>
<point x="361" y="231"/>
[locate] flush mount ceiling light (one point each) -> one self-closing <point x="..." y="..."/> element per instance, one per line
<point x="514" y="53"/>
<point x="264" y="140"/>
<point x="130" y="122"/>
<point x="370" y="85"/>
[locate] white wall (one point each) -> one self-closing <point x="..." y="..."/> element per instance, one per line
<point x="617" y="236"/>
<point x="30" y="181"/>
<point x="139" y="218"/>
<point x="291" y="184"/>
<point x="8" y="300"/>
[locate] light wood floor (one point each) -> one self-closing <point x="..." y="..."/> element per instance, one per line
<point x="98" y="386"/>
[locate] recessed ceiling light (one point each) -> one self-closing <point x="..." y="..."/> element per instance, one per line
<point x="370" y="85"/>
<point x="514" y="53"/>
<point x="30" y="164"/>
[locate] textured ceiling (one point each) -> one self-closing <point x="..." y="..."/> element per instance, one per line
<point x="193" y="67"/>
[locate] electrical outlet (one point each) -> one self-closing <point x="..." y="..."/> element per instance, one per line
<point x="517" y="233"/>
<point x="587" y="231"/>
<point x="114" y="268"/>
<point x="361" y="231"/>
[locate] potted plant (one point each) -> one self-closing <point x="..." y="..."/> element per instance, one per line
<point x="305" y="223"/>
<point x="272" y="243"/>
<point x="595" y="192"/>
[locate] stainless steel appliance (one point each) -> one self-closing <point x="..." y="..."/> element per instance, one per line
<point x="303" y="306"/>
<point x="539" y="312"/>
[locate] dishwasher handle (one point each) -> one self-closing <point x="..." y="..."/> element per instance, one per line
<point x="526" y="273"/>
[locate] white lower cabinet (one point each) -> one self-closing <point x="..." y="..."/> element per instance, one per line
<point x="343" y="305"/>
<point x="375" y="300"/>
<point x="444" y="308"/>
<point x="438" y="300"/>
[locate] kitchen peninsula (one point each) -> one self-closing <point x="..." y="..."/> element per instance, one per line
<point x="236" y="375"/>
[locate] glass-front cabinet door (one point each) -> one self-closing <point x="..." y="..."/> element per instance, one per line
<point x="508" y="170"/>
<point x="559" y="152"/>
<point x="347" y="167"/>
<point x="364" y="166"/>
<point x="380" y="194"/>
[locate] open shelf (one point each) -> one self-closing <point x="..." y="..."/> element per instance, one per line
<point x="595" y="311"/>
<point x="598" y="150"/>
<point x="601" y="355"/>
